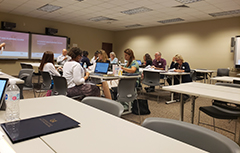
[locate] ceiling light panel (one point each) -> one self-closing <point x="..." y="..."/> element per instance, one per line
<point x="188" y="1"/>
<point x="232" y="12"/>
<point x="101" y="18"/>
<point x="133" y="26"/>
<point x="136" y="10"/>
<point x="49" y="8"/>
<point x="171" y="20"/>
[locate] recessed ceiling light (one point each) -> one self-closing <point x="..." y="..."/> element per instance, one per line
<point x="101" y="18"/>
<point x="133" y="26"/>
<point x="225" y="13"/>
<point x="136" y="10"/>
<point x="171" y="20"/>
<point x="188" y="1"/>
<point x="80" y="0"/>
<point x="49" y="8"/>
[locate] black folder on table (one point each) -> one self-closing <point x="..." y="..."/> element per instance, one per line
<point x="38" y="126"/>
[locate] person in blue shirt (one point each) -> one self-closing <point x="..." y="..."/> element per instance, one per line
<point x="113" y="59"/>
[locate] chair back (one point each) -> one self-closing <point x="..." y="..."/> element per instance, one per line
<point x="192" y="134"/>
<point x="222" y="72"/>
<point x="104" y="104"/>
<point x="126" y="90"/>
<point x="151" y="78"/>
<point x="228" y="85"/>
<point x="60" y="85"/>
<point x="193" y="75"/>
<point x="26" y="66"/>
<point x="47" y="81"/>
<point x="26" y="75"/>
<point x="236" y="81"/>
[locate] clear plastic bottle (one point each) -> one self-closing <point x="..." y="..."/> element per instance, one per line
<point x="12" y="102"/>
<point x="84" y="65"/>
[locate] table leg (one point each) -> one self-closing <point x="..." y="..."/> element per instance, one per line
<point x="181" y="108"/>
<point x="172" y="100"/>
<point x="205" y="77"/>
<point x="193" y="109"/>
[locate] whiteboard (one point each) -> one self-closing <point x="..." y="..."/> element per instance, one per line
<point x="237" y="52"/>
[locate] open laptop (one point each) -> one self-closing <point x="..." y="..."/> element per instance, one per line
<point x="101" y="68"/>
<point x="3" y="86"/>
<point x="139" y="62"/>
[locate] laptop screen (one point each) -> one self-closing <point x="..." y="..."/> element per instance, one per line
<point x="101" y="68"/>
<point x="139" y="62"/>
<point x="3" y="86"/>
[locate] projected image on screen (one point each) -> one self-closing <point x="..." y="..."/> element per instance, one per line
<point x="42" y="43"/>
<point x="17" y="44"/>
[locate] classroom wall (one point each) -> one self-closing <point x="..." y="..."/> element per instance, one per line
<point x="87" y="38"/>
<point x="204" y="44"/>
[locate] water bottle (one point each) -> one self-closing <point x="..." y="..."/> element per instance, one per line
<point x="85" y="65"/>
<point x="12" y="102"/>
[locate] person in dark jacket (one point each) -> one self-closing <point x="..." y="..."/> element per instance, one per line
<point x="180" y="66"/>
<point x="147" y="60"/>
<point x="85" y="59"/>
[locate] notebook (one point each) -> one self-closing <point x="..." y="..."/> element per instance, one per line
<point x="3" y="86"/>
<point x="101" y="68"/>
<point x="38" y="126"/>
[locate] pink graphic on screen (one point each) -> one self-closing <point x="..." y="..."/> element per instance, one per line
<point x="42" y="43"/>
<point x="17" y="44"/>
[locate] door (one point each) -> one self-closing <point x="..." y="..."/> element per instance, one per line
<point x="107" y="47"/>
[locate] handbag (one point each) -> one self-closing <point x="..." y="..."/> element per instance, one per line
<point x="143" y="105"/>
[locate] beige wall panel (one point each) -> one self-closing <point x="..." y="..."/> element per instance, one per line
<point x="203" y="44"/>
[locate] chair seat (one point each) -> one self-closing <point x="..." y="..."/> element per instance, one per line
<point x="149" y="83"/>
<point x="217" y="113"/>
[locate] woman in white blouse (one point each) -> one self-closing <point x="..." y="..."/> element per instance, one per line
<point x="76" y="76"/>
<point x="47" y="64"/>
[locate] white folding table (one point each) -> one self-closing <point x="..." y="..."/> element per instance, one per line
<point x="98" y="131"/>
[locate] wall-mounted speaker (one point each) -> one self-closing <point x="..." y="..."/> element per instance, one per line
<point x="68" y="41"/>
<point x="50" y="31"/>
<point x="8" y="25"/>
<point x="232" y="44"/>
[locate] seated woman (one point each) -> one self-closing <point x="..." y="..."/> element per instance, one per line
<point x="76" y="77"/>
<point x="113" y="59"/>
<point x="47" y="64"/>
<point x="95" y="57"/>
<point x="102" y="57"/>
<point x="147" y="60"/>
<point x="180" y="66"/>
<point x="132" y="65"/>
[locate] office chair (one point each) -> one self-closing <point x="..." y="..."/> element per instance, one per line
<point x="192" y="134"/>
<point x="26" y="75"/>
<point x="223" y="72"/>
<point x="104" y="104"/>
<point x="60" y="87"/>
<point x="196" y="76"/>
<point x="236" y="81"/>
<point x="127" y="93"/>
<point x="222" y="110"/>
<point x="151" y="79"/>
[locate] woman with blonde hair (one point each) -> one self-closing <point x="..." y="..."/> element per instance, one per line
<point x="102" y="57"/>
<point x="113" y="59"/>
<point x="180" y="66"/>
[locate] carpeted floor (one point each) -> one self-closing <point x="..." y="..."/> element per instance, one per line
<point x="172" y="111"/>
